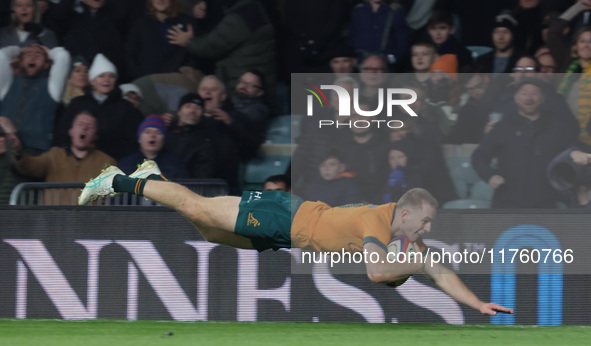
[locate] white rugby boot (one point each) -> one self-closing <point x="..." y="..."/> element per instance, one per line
<point x="100" y="186"/>
<point x="146" y="169"/>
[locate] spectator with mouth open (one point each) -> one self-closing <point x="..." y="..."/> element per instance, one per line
<point x="76" y="162"/>
<point x="151" y="136"/>
<point x="32" y="81"/>
<point x="26" y="29"/>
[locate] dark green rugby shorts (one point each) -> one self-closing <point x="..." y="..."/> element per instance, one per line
<point x="265" y="218"/>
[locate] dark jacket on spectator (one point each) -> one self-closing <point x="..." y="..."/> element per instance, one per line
<point x="195" y="144"/>
<point x="243" y="40"/>
<point x="117" y="122"/>
<point x="523" y="150"/>
<point x="486" y="62"/>
<point x="453" y="46"/>
<point x="367" y="31"/>
<point x="9" y="37"/>
<point x="472" y="120"/>
<point x="148" y="50"/>
<point x="370" y="161"/>
<point x="339" y="191"/>
<point x="171" y="166"/>
<point x="89" y="34"/>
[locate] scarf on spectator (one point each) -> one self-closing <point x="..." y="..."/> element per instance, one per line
<point x="584" y="104"/>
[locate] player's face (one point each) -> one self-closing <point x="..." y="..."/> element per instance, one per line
<point x="417" y="221"/>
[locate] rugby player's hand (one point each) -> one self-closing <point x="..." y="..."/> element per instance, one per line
<point x="492" y="309"/>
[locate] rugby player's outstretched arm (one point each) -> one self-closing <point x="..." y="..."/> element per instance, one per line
<point x="382" y="271"/>
<point x="451" y="284"/>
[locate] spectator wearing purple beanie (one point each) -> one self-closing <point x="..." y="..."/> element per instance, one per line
<point x="151" y="136"/>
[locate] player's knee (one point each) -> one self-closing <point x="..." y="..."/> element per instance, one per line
<point x="194" y="211"/>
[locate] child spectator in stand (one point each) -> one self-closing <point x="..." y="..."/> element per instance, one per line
<point x="77" y="81"/>
<point x="334" y="185"/>
<point x="441" y="29"/>
<point x="26" y="29"/>
<point x="423" y="55"/>
<point x="277" y="182"/>
<point x="132" y="93"/>
<point x="403" y="176"/>
<point x="151" y="136"/>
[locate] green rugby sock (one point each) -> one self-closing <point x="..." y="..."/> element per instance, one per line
<point x="122" y="183"/>
<point x="157" y="177"/>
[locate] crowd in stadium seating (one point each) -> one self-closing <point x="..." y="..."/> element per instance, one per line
<point x="194" y="84"/>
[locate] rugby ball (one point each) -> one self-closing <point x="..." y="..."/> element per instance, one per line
<point x="400" y="244"/>
<point x="396" y="245"/>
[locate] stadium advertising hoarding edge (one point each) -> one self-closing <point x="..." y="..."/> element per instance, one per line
<point x="152" y="264"/>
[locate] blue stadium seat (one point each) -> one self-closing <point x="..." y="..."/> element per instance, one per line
<point x="460" y="168"/>
<point x="283" y="128"/>
<point x="481" y="190"/>
<point x="259" y="169"/>
<point x="462" y="188"/>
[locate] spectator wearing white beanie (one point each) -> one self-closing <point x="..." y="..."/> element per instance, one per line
<point x="101" y="65"/>
<point x="102" y="76"/>
<point x="117" y="118"/>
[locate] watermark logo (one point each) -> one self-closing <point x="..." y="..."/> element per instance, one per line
<point x="316" y="93"/>
<point x="344" y="99"/>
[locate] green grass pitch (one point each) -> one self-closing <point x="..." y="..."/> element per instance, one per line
<point x="146" y="333"/>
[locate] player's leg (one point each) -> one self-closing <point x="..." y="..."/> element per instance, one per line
<point x="217" y="212"/>
<point x="215" y="217"/>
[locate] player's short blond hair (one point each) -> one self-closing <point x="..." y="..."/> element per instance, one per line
<point x="416" y="198"/>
